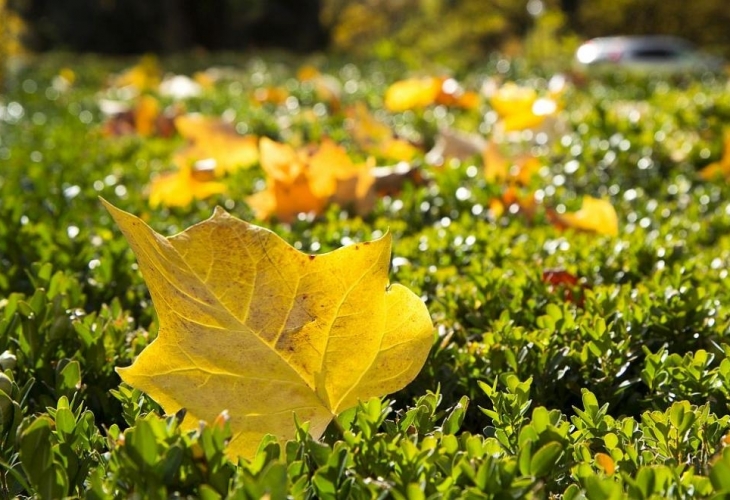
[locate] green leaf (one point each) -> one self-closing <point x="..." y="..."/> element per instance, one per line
<point x="141" y="444"/>
<point x="452" y="422"/>
<point x="68" y="380"/>
<point x="545" y="459"/>
<point x="35" y="448"/>
<point x="720" y="473"/>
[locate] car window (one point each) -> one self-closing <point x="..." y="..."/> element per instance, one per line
<point x="655" y="53"/>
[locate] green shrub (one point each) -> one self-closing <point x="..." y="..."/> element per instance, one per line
<point x="614" y="387"/>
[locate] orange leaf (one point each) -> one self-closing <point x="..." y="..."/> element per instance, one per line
<point x="306" y="181"/>
<point x="273" y="95"/>
<point x="606" y="463"/>
<point x="452" y="94"/>
<point x="286" y="200"/>
<point x="720" y="168"/>
<point x="280" y="161"/>
<point x="498" y="169"/>
<point x="145" y="115"/>
<point x="595" y="215"/>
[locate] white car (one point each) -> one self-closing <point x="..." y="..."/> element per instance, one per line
<point x="645" y="55"/>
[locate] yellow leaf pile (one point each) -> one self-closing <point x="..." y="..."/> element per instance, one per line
<point x="307" y="180"/>
<point x="250" y="325"/>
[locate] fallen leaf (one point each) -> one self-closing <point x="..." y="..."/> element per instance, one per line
<point x="376" y="138"/>
<point x="413" y="93"/>
<point x="272" y="95"/>
<point x="571" y="286"/>
<point x="525" y="202"/>
<point x="181" y="187"/>
<point x="389" y="181"/>
<point x="521" y="108"/>
<point x="452" y="143"/>
<point x="250" y="325"/>
<point x="452" y="94"/>
<point x="144" y="117"/>
<point x="498" y="169"/>
<point x="145" y="75"/>
<point x="212" y="138"/>
<point x="309" y="179"/>
<point x="595" y="215"/>
<point x="720" y="168"/>
<point x="327" y="88"/>
<point x="416" y="93"/>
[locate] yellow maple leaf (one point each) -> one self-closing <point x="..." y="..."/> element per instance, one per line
<point x="212" y="138"/>
<point x="181" y="187"/>
<point x="250" y="325"/>
<point x="595" y="215"/>
<point x="720" y="168"/>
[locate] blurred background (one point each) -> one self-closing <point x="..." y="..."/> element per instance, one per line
<point x="457" y="33"/>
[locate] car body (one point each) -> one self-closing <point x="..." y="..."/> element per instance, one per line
<point x="645" y="55"/>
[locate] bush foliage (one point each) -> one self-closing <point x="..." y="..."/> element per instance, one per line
<point x="614" y="385"/>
